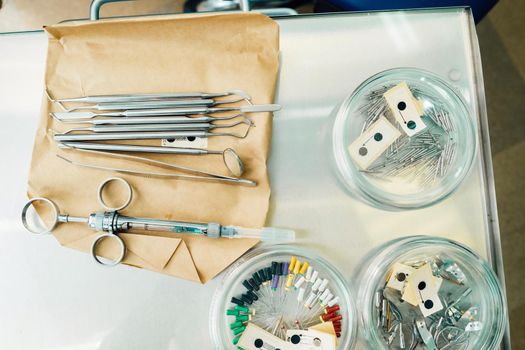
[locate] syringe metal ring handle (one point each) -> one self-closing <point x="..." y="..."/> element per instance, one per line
<point x="108" y="263"/>
<point x="106" y="222"/>
<point x="106" y="182"/>
<point x="50" y="205"/>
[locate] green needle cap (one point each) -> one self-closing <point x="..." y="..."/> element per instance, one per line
<point x="238" y="330"/>
<point x="236" y="325"/>
<point x="242" y="309"/>
<point x="231" y="312"/>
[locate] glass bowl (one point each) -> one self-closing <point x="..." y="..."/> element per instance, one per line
<point x="419" y="140"/>
<point x="278" y="309"/>
<point x="433" y="288"/>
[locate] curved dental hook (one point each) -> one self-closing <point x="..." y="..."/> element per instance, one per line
<point x="70" y="121"/>
<point x="49" y="96"/>
<point x="248" y="121"/>
<point x="245" y="120"/>
<point x="55" y="101"/>
<point x="240" y="93"/>
<point x="239" y="115"/>
<point x="235" y="100"/>
<point x="233" y="135"/>
<point x="69" y="131"/>
<point x="76" y="108"/>
<point x="62" y="145"/>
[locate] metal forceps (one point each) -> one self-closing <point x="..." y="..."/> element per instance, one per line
<point x="111" y="222"/>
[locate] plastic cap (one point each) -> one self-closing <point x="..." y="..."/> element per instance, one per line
<point x="270" y="234"/>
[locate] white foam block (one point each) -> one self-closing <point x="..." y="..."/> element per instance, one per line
<point x="373" y="142"/>
<point x="185" y="142"/>
<point x="399" y="276"/>
<point x="310" y="340"/>
<point x="405" y="108"/>
<point x="422" y="289"/>
<point x="256" y="338"/>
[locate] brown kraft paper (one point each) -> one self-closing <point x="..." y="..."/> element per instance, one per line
<point x="181" y="53"/>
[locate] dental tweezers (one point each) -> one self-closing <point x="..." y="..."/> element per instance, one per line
<point x="231" y="159"/>
<point x="201" y="175"/>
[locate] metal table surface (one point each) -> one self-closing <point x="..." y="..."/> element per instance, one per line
<point x="56" y="298"/>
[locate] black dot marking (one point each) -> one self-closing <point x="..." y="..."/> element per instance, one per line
<point x="401" y="277"/>
<point x="191" y="138"/>
<point x="363" y="151"/>
<point x="422" y="285"/>
<point x="411" y="125"/>
<point x="378" y="136"/>
<point x="401" y="106"/>
<point x="295" y="339"/>
<point x="258" y="343"/>
<point x="429" y="304"/>
<point x="170" y="140"/>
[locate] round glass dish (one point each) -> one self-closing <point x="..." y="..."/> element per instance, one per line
<point x="278" y="309"/>
<point x="413" y="171"/>
<point x="457" y="295"/>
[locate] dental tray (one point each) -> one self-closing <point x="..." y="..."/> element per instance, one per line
<point x="324" y="58"/>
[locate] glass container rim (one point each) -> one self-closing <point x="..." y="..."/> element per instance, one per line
<point x="376" y="196"/>
<point x="383" y="256"/>
<point x="218" y="303"/>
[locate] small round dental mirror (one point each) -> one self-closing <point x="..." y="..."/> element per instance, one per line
<point x="233" y="162"/>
